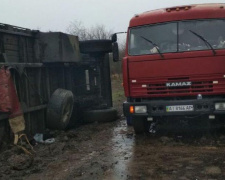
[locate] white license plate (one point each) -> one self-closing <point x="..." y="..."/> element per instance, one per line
<point x="179" y="108"/>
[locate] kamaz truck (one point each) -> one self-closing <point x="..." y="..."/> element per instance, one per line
<point x="174" y="66"/>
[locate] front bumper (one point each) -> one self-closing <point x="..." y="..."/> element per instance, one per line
<point x="158" y="107"/>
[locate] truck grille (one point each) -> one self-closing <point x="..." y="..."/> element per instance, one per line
<point x="157" y="87"/>
<point x="203" y="86"/>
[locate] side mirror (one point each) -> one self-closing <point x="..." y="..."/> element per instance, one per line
<point x="114" y="38"/>
<point x="115" y="51"/>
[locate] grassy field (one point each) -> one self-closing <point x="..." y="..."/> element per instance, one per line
<point x="118" y="92"/>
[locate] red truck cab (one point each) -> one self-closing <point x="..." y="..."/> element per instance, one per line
<point x="174" y="65"/>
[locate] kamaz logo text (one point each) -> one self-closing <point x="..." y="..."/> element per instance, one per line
<point x="176" y="84"/>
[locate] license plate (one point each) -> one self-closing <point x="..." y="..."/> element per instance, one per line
<point x="179" y="108"/>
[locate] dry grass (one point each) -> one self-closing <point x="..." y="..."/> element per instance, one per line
<point x="117" y="92"/>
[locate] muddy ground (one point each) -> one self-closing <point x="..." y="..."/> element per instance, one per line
<point x="112" y="151"/>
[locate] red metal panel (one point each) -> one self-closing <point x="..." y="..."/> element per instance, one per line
<point x="201" y="11"/>
<point x="9" y="100"/>
<point x="141" y="67"/>
<point x="201" y="70"/>
<point x="5" y="105"/>
<point x="125" y="76"/>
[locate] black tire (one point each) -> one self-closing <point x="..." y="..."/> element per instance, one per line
<point x="100" y="115"/>
<point x="59" y="109"/>
<point x="138" y="125"/>
<point x="96" y="46"/>
<point x="129" y="120"/>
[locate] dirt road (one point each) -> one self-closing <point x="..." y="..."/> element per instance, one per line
<point x="112" y="151"/>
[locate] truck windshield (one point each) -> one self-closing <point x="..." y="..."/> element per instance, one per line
<point x="177" y="37"/>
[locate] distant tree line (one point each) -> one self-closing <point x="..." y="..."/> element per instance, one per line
<point x="97" y="31"/>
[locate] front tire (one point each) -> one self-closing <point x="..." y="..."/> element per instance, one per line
<point x="138" y="125"/>
<point x="100" y="115"/>
<point x="129" y="120"/>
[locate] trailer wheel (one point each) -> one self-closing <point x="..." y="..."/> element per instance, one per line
<point x="138" y="125"/>
<point x="59" y="109"/>
<point x="96" y="46"/>
<point x="100" y="115"/>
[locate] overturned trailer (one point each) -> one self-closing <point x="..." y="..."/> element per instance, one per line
<point x="59" y="81"/>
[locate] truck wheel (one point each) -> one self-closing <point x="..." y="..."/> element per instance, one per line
<point x="59" y="109"/>
<point x="138" y="125"/>
<point x="100" y="115"/>
<point x="129" y="120"/>
<point x="95" y="46"/>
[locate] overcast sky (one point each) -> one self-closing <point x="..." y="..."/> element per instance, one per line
<point x="56" y="15"/>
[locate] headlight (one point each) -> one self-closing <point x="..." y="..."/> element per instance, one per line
<point x="140" y="109"/>
<point x="220" y="106"/>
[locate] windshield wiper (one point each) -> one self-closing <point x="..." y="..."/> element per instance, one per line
<point x="205" y="41"/>
<point x="155" y="45"/>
